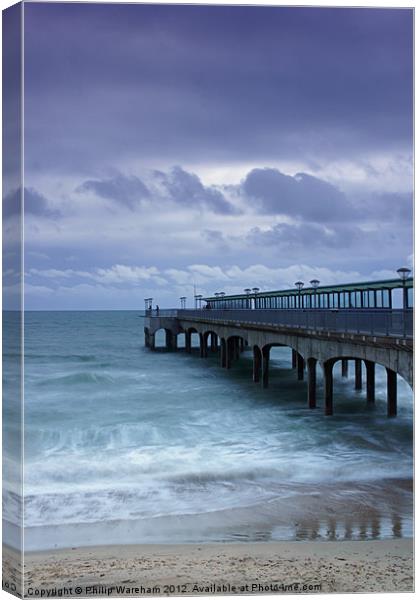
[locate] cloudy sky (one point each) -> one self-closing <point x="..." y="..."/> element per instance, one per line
<point x="226" y="147"/>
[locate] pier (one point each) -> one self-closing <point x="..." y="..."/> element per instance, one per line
<point x="322" y="327"/>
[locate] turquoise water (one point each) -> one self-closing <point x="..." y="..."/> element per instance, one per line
<point x="127" y="445"/>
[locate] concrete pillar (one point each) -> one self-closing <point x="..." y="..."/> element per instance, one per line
<point x="344" y="368"/>
<point x="256" y="370"/>
<point x="151" y="341"/>
<point x="223" y="353"/>
<point x="188" y="342"/>
<point x="311" y="364"/>
<point x="229" y="352"/>
<point x="370" y="380"/>
<point x="358" y="374"/>
<point x="203" y="345"/>
<point x="146" y="337"/>
<point x="300" y="367"/>
<point x="213" y="342"/>
<point x="328" y="387"/>
<point x="242" y="344"/>
<point x="265" y="365"/>
<point x="236" y="348"/>
<point x="294" y="359"/>
<point x="170" y="340"/>
<point x="391" y="392"/>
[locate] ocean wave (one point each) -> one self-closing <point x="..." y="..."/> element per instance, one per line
<point x="80" y="378"/>
<point x="65" y="358"/>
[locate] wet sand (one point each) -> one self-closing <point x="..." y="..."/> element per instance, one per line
<point x="208" y="569"/>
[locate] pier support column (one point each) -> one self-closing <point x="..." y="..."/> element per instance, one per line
<point x="223" y="353"/>
<point x="256" y="367"/>
<point x="203" y="345"/>
<point x="229" y="352"/>
<point x="213" y="342"/>
<point x="151" y="341"/>
<point x="242" y="344"/>
<point x="370" y="381"/>
<point x="236" y="348"/>
<point x="328" y="387"/>
<point x="300" y="367"/>
<point x="344" y="368"/>
<point x="294" y="359"/>
<point x="311" y="364"/>
<point x="358" y="374"/>
<point x="146" y="337"/>
<point x="170" y="340"/>
<point x="265" y="365"/>
<point x="188" y="342"/>
<point x="391" y="377"/>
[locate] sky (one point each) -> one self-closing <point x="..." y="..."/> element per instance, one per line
<point x="171" y="147"/>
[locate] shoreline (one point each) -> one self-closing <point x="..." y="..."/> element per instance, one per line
<point x="209" y="569"/>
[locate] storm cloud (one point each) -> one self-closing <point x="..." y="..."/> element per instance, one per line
<point x="128" y="191"/>
<point x="35" y="203"/>
<point x="187" y="189"/>
<point x="214" y="83"/>
<point x="301" y="195"/>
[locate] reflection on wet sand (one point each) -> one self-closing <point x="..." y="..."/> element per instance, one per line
<point x="372" y="527"/>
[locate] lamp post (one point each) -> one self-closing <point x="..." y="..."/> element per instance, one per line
<point x="255" y="290"/>
<point x="299" y="285"/>
<point x="314" y="283"/>
<point x="247" y="292"/>
<point x="404" y="274"/>
<point x="183" y="301"/>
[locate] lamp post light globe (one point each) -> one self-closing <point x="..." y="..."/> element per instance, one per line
<point x="255" y="290"/>
<point x="314" y="283"/>
<point x="299" y="284"/>
<point x="248" y="293"/>
<point x="404" y="273"/>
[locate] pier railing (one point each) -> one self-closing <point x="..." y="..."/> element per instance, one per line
<point x="388" y="322"/>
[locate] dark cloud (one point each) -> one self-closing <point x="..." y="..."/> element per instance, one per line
<point x="126" y="190"/>
<point x="239" y="83"/>
<point x="305" y="235"/>
<point x="390" y="207"/>
<point x="186" y="189"/>
<point x="343" y="246"/>
<point x="34" y="204"/>
<point x="12" y="203"/>
<point x="303" y="195"/>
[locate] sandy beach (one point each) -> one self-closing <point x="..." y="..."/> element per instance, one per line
<point x="208" y="569"/>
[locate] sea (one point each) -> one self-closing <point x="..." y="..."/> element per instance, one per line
<point x="124" y="445"/>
